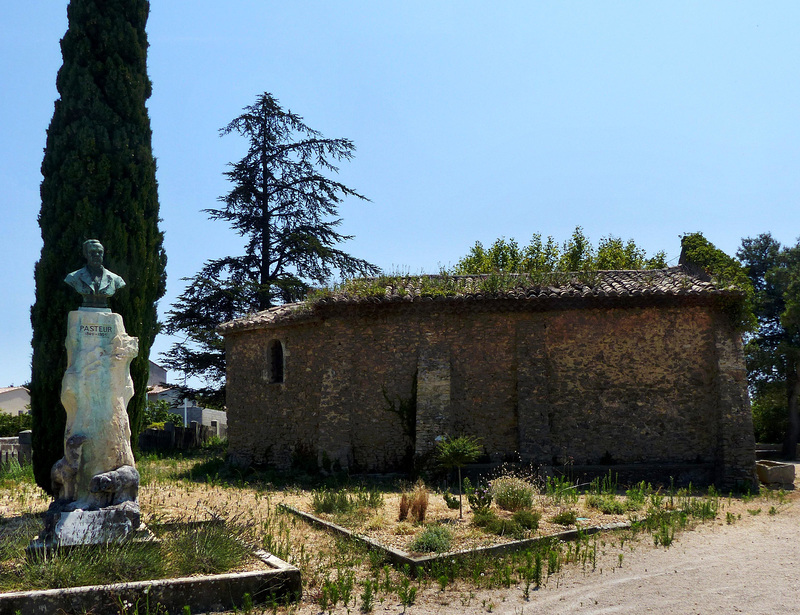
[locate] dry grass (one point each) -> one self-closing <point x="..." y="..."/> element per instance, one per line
<point x="169" y="493"/>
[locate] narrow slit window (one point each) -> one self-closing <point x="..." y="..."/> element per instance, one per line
<point x="275" y="361"/>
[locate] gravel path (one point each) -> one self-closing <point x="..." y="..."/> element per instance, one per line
<point x="752" y="566"/>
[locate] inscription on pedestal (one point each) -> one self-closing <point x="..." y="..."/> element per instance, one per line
<point x="96" y="331"/>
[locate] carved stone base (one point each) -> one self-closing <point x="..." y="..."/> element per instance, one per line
<point x="71" y="528"/>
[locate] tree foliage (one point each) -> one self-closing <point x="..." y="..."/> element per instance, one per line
<point x="160" y="412"/>
<point x="10" y="425"/>
<point x="773" y="349"/>
<point x="456" y="453"/>
<point x="284" y="203"/>
<point x="575" y="254"/>
<point x="99" y="182"/>
<point x="726" y="271"/>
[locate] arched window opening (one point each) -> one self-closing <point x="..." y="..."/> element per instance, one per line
<point x="275" y="361"/>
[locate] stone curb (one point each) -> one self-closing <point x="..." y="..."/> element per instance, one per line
<point x="401" y="558"/>
<point x="201" y="594"/>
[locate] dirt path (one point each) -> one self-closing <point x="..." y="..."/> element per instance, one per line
<point x="752" y="566"/>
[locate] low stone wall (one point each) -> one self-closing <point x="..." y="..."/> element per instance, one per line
<point x="17" y="448"/>
<point x="278" y="581"/>
<point x="172" y="437"/>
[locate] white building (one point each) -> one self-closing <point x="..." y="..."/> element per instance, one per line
<point x="15" y="400"/>
<point x="159" y="390"/>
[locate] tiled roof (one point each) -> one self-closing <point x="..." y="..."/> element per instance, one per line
<point x="9" y="389"/>
<point x="158" y="388"/>
<point x="548" y="291"/>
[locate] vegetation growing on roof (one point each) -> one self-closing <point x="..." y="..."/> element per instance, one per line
<point x="726" y="272"/>
<point x="446" y="284"/>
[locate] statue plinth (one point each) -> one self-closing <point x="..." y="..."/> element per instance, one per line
<point x="96" y="482"/>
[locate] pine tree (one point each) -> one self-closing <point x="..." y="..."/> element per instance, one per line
<point x="285" y="203"/>
<point x="99" y="182"/>
<point x="773" y="349"/>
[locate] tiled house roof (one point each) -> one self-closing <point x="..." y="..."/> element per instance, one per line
<point x="557" y="290"/>
<point x="4" y="390"/>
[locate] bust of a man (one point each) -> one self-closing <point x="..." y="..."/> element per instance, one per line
<point x="94" y="282"/>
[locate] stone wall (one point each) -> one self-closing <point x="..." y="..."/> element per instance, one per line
<point x="368" y="389"/>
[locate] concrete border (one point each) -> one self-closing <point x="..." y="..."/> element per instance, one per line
<point x="202" y="594"/>
<point x="401" y="558"/>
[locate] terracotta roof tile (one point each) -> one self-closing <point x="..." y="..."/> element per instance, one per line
<point x="551" y="289"/>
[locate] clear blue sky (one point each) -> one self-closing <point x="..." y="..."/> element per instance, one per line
<point x="472" y="120"/>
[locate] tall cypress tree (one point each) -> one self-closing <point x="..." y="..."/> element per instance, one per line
<point x="99" y="182"/>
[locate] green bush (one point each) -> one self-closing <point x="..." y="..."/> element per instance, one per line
<point x="566" y="517"/>
<point x="434" y="539"/>
<point x="492" y="524"/>
<point x="481" y="518"/>
<point x="606" y="503"/>
<point x="637" y="495"/>
<point x="506" y="527"/>
<point x="157" y="413"/>
<point x="10" y="426"/>
<point x="527" y="519"/>
<point x="512" y="493"/>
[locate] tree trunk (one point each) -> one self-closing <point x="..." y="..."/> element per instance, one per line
<point x="793" y="433"/>
<point x="264" y="300"/>
<point x="460" y="506"/>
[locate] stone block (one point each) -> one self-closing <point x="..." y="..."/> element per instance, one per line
<point x="775" y="472"/>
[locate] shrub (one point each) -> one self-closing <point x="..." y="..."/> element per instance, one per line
<point x="158" y="412"/>
<point x="434" y="539"/>
<point x="527" y="519"/>
<point x="491" y="523"/>
<point x="512" y="493"/>
<point x="376" y="522"/>
<point x="10" y="426"/>
<point x="481" y="518"/>
<point x="566" y="517"/>
<point x="506" y="527"/>
<point x="607" y="504"/>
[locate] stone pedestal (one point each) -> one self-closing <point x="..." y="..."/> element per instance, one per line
<point x="96" y="482"/>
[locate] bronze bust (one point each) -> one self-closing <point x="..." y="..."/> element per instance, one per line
<point x="96" y="283"/>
